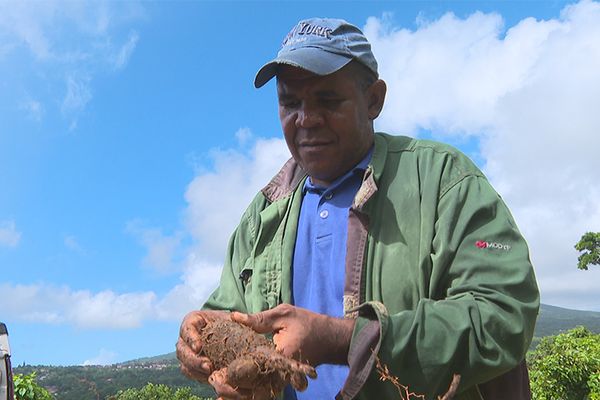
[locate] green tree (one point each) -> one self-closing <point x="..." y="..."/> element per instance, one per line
<point x="566" y="366"/>
<point x="26" y="388"/>
<point x="590" y="245"/>
<point x="156" y="392"/>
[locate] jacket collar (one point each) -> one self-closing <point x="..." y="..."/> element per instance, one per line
<point x="291" y="174"/>
<point x="285" y="182"/>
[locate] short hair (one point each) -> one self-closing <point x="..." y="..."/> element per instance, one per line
<point x="364" y="76"/>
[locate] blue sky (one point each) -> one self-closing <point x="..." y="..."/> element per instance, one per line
<point x="131" y="138"/>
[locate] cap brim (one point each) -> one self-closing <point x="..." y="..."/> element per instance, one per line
<point x="312" y="59"/>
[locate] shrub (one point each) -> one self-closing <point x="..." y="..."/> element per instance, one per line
<point x="156" y="392"/>
<point x="566" y="366"/>
<point x="26" y="388"/>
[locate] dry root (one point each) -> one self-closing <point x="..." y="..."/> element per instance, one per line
<point x="404" y="391"/>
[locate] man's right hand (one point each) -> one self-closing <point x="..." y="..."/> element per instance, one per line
<point x="189" y="344"/>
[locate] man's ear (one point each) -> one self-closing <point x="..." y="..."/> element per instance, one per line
<point x="376" y="97"/>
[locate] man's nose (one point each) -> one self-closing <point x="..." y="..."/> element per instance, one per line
<point x="308" y="118"/>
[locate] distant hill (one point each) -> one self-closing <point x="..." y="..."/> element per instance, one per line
<point x="152" y="360"/>
<point x="98" y="382"/>
<point x="553" y="320"/>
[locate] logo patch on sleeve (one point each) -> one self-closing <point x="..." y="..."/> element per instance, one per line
<point x="482" y="244"/>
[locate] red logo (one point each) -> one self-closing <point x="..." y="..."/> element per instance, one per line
<point x="482" y="244"/>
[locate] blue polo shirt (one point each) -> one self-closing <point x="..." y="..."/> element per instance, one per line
<point x="320" y="261"/>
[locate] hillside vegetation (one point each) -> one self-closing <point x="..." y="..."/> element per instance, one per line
<point x="100" y="382"/>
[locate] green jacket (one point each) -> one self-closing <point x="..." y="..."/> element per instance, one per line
<point x="437" y="273"/>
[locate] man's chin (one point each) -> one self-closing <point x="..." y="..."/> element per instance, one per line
<point x="318" y="177"/>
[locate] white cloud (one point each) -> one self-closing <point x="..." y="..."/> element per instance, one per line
<point x="217" y="198"/>
<point x="9" y="236"/>
<point x="77" y="94"/>
<point x="530" y="96"/>
<point x="108" y="309"/>
<point x="104" y="357"/>
<point x="72" y="244"/>
<point x="162" y="250"/>
<point x="81" y="308"/>
<point x="197" y="282"/>
<point x="23" y="23"/>
<point x="70" y="43"/>
<point x="34" y="108"/>
<point x="61" y="305"/>
<point x="243" y="135"/>
<point x="55" y="30"/>
<point x="448" y="74"/>
<point x="122" y="57"/>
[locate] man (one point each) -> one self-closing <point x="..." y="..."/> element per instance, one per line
<point x="369" y="246"/>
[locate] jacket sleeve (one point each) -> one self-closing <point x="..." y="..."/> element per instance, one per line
<point x="482" y="324"/>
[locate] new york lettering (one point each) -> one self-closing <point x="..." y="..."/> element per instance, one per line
<point x="304" y="28"/>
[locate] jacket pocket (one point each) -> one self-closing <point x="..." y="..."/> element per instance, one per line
<point x="246" y="279"/>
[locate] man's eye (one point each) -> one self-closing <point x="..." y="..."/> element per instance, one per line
<point x="290" y="103"/>
<point x="331" y="102"/>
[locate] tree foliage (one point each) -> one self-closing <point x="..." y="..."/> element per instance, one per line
<point x="566" y="366"/>
<point x="155" y="392"/>
<point x="26" y="388"/>
<point x="589" y="244"/>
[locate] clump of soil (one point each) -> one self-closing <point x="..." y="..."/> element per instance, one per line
<point x="251" y="360"/>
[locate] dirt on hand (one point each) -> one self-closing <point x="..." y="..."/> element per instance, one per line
<point x="251" y="361"/>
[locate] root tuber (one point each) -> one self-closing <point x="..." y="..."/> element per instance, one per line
<point x="250" y="360"/>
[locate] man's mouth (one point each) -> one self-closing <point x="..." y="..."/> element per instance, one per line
<point x="313" y="144"/>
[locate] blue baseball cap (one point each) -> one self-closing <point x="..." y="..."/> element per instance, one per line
<point x="321" y="46"/>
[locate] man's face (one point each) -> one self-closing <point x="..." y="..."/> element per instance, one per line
<point x="325" y="121"/>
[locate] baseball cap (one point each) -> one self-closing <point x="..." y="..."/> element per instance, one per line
<point x="321" y="46"/>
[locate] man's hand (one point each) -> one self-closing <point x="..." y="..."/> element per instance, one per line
<point x="302" y="334"/>
<point x="198" y="367"/>
<point x="189" y="344"/>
